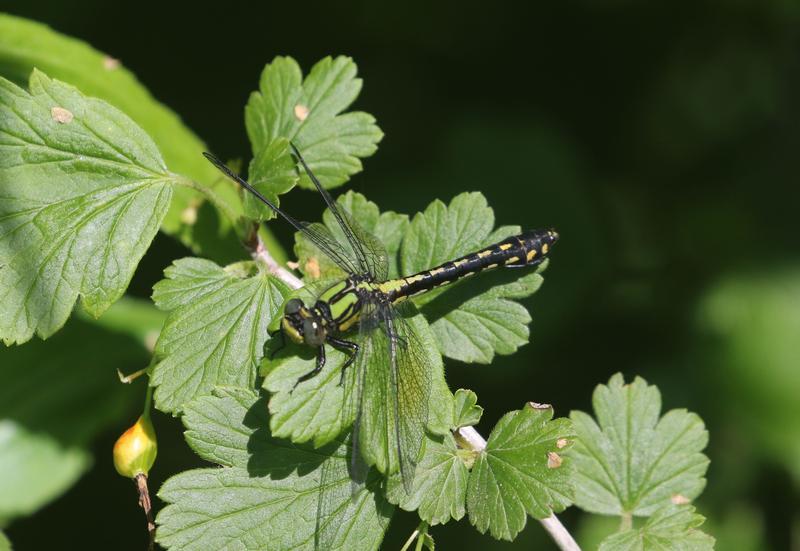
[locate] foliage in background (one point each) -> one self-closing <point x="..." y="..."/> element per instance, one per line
<point x="646" y="235"/>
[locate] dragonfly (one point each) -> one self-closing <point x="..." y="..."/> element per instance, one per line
<point x="376" y="307"/>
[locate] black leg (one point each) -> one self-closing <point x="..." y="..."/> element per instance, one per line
<point x="281" y="347"/>
<point x="347" y="345"/>
<point x="314" y="372"/>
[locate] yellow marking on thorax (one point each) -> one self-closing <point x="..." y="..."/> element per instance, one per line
<point x="505" y="246"/>
<point x="545" y="248"/>
<point x="512" y="260"/>
<point x="349" y="322"/>
<point x="531" y="254"/>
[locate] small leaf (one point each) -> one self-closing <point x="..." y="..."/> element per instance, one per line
<point x="5" y="544"/>
<point x="272" y="172"/>
<point x="633" y="462"/>
<point x="671" y="528"/>
<point x="467" y="412"/>
<point x="515" y="474"/>
<point x="471" y="320"/>
<point x="80" y="202"/>
<point x="440" y="485"/>
<point x="215" y="331"/>
<point x="268" y="495"/>
<point x="330" y="142"/>
<point x="388" y="227"/>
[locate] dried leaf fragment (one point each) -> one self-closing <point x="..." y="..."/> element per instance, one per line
<point x="301" y="112"/>
<point x="61" y="115"/>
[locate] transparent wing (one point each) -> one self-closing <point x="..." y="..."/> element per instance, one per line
<point x="391" y="393"/>
<point x="316" y="233"/>
<point x="365" y="249"/>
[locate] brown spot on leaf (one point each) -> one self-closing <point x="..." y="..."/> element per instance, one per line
<point x="561" y="443"/>
<point x="678" y="499"/>
<point x="61" y="115"/>
<point x="110" y="63"/>
<point x="189" y="215"/>
<point x="301" y="112"/>
<point x="312" y="268"/>
<point x="553" y="460"/>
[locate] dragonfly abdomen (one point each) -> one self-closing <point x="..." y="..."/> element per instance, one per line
<point x="526" y="249"/>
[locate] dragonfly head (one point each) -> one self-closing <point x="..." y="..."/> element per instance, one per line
<point x="303" y="325"/>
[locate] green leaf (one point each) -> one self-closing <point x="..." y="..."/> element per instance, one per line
<point x="54" y="399"/>
<point x="215" y="331"/>
<point x="671" y="528"/>
<point x="268" y="494"/>
<point x="316" y="409"/>
<point x="83" y="191"/>
<point x="467" y="412"/>
<point x="521" y="471"/>
<point x="388" y="227"/>
<point x="307" y="112"/>
<point x="474" y="319"/>
<point x="632" y="462"/>
<point x="5" y="544"/>
<point x="272" y="172"/>
<point x="439" y="491"/>
<point x="25" y="45"/>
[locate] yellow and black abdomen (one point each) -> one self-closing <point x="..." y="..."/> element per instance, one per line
<point x="526" y="249"/>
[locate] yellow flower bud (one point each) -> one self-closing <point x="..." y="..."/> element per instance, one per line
<point x="135" y="451"/>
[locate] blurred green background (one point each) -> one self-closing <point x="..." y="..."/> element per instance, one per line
<point x="660" y="138"/>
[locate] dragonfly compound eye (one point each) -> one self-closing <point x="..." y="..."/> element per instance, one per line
<point x="293" y="306"/>
<point x="313" y="332"/>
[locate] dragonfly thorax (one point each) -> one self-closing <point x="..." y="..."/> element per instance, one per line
<point x="304" y="325"/>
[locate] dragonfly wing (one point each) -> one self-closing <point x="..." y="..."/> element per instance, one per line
<point x="318" y="234"/>
<point x="367" y="250"/>
<point x="391" y="393"/>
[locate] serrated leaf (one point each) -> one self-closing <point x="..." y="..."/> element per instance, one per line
<point x="521" y="471"/>
<point x="671" y="528"/>
<point x="307" y="112"/>
<point x="317" y="410"/>
<point x="389" y="227"/>
<point x="440" y="486"/>
<point x="475" y="319"/>
<point x="269" y="494"/>
<point x="215" y="331"/>
<point x="25" y="45"/>
<point x="272" y="172"/>
<point x="54" y="399"/>
<point x="466" y="411"/>
<point x="82" y="193"/>
<point x="630" y="461"/>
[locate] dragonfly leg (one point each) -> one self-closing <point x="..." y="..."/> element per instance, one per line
<point x="347" y="345"/>
<point x="314" y="372"/>
<point x="281" y="347"/>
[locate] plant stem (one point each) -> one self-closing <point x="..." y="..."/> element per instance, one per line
<point x="423" y="532"/>
<point x="470" y="438"/>
<point x="144" y="501"/>
<point x="220" y="204"/>
<point x="260" y="253"/>
<point x="410" y="540"/>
